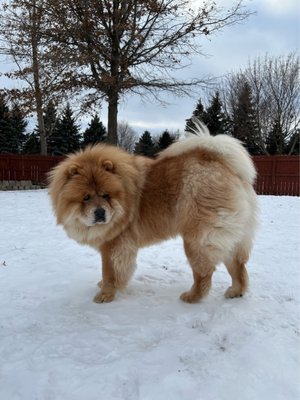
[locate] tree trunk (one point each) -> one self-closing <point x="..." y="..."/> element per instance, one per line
<point x="296" y="139"/>
<point x="36" y="79"/>
<point x="112" y="125"/>
<point x="39" y="104"/>
<point x="41" y="125"/>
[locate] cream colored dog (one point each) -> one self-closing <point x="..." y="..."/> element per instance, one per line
<point x="200" y="188"/>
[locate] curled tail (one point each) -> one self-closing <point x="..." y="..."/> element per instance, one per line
<point x="230" y="148"/>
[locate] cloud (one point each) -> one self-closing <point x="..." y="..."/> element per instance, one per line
<point x="266" y="32"/>
<point x="153" y="116"/>
<point x="280" y="6"/>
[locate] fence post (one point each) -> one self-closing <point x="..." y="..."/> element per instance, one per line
<point x="273" y="178"/>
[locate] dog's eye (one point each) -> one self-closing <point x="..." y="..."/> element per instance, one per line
<point x="105" y="196"/>
<point x="87" y="197"/>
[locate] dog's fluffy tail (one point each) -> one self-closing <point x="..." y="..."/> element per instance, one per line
<point x="231" y="149"/>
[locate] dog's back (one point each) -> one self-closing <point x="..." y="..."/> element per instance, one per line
<point x="228" y="147"/>
<point x="203" y="188"/>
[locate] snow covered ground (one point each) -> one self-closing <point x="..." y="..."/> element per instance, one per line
<point x="56" y="344"/>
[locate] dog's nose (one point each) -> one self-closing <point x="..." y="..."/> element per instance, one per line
<point x="99" y="215"/>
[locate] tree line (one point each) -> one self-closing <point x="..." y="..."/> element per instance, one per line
<point x="259" y="105"/>
<point x="64" y="135"/>
<point x="262" y="104"/>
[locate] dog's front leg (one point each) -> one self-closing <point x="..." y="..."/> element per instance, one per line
<point x="118" y="265"/>
<point x="107" y="285"/>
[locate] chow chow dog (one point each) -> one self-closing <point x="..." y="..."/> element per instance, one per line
<point x="200" y="188"/>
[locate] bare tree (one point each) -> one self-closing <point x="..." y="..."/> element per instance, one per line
<point x="127" y="137"/>
<point x="22" y="27"/>
<point x="275" y="88"/>
<point x="133" y="45"/>
<point x="283" y="92"/>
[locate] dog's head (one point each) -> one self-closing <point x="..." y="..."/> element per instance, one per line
<point x="94" y="188"/>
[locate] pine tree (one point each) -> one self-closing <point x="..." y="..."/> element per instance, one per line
<point x="145" y="146"/>
<point x="274" y="142"/>
<point x="214" y="117"/>
<point x="12" y="128"/>
<point x="18" y="126"/>
<point x="50" y="119"/>
<point x="65" y="137"/>
<point x="244" y="124"/>
<point x="198" y="113"/>
<point x="4" y="126"/>
<point x="32" y="144"/>
<point x="165" y="140"/>
<point x="95" y="132"/>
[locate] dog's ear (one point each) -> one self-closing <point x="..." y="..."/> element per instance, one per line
<point x="108" y="165"/>
<point x="72" y="170"/>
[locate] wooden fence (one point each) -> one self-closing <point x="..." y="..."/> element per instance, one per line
<point x="34" y="168"/>
<point x="277" y="175"/>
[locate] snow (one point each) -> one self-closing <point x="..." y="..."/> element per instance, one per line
<point x="56" y="344"/>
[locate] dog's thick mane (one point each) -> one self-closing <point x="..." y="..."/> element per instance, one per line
<point x="231" y="149"/>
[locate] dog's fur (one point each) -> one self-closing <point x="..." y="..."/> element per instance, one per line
<point x="200" y="188"/>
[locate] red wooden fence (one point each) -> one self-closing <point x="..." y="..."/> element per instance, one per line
<point x="34" y="168"/>
<point x="277" y="175"/>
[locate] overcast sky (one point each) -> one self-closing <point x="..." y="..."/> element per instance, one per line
<point x="273" y="30"/>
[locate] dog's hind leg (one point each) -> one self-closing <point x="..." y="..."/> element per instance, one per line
<point x="203" y="268"/>
<point x="237" y="270"/>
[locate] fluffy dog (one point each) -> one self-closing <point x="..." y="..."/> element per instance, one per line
<point x="200" y="188"/>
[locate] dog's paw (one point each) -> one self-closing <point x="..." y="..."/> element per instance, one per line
<point x="189" y="297"/>
<point x="104" y="297"/>
<point x="231" y="293"/>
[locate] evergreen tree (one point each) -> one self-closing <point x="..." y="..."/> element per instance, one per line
<point x="214" y="117"/>
<point x="32" y="144"/>
<point x="12" y="128"/>
<point x="198" y="113"/>
<point x="145" y="146"/>
<point x="165" y="140"/>
<point x="274" y="142"/>
<point x="4" y="127"/>
<point x="95" y="132"/>
<point x="50" y="119"/>
<point x="18" y="127"/>
<point x="244" y="124"/>
<point x="65" y="137"/>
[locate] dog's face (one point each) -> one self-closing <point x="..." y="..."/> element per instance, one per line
<point x="96" y="209"/>
<point x="93" y="193"/>
<point x="90" y="193"/>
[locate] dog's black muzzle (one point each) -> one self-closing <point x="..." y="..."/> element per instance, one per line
<point x="99" y="215"/>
